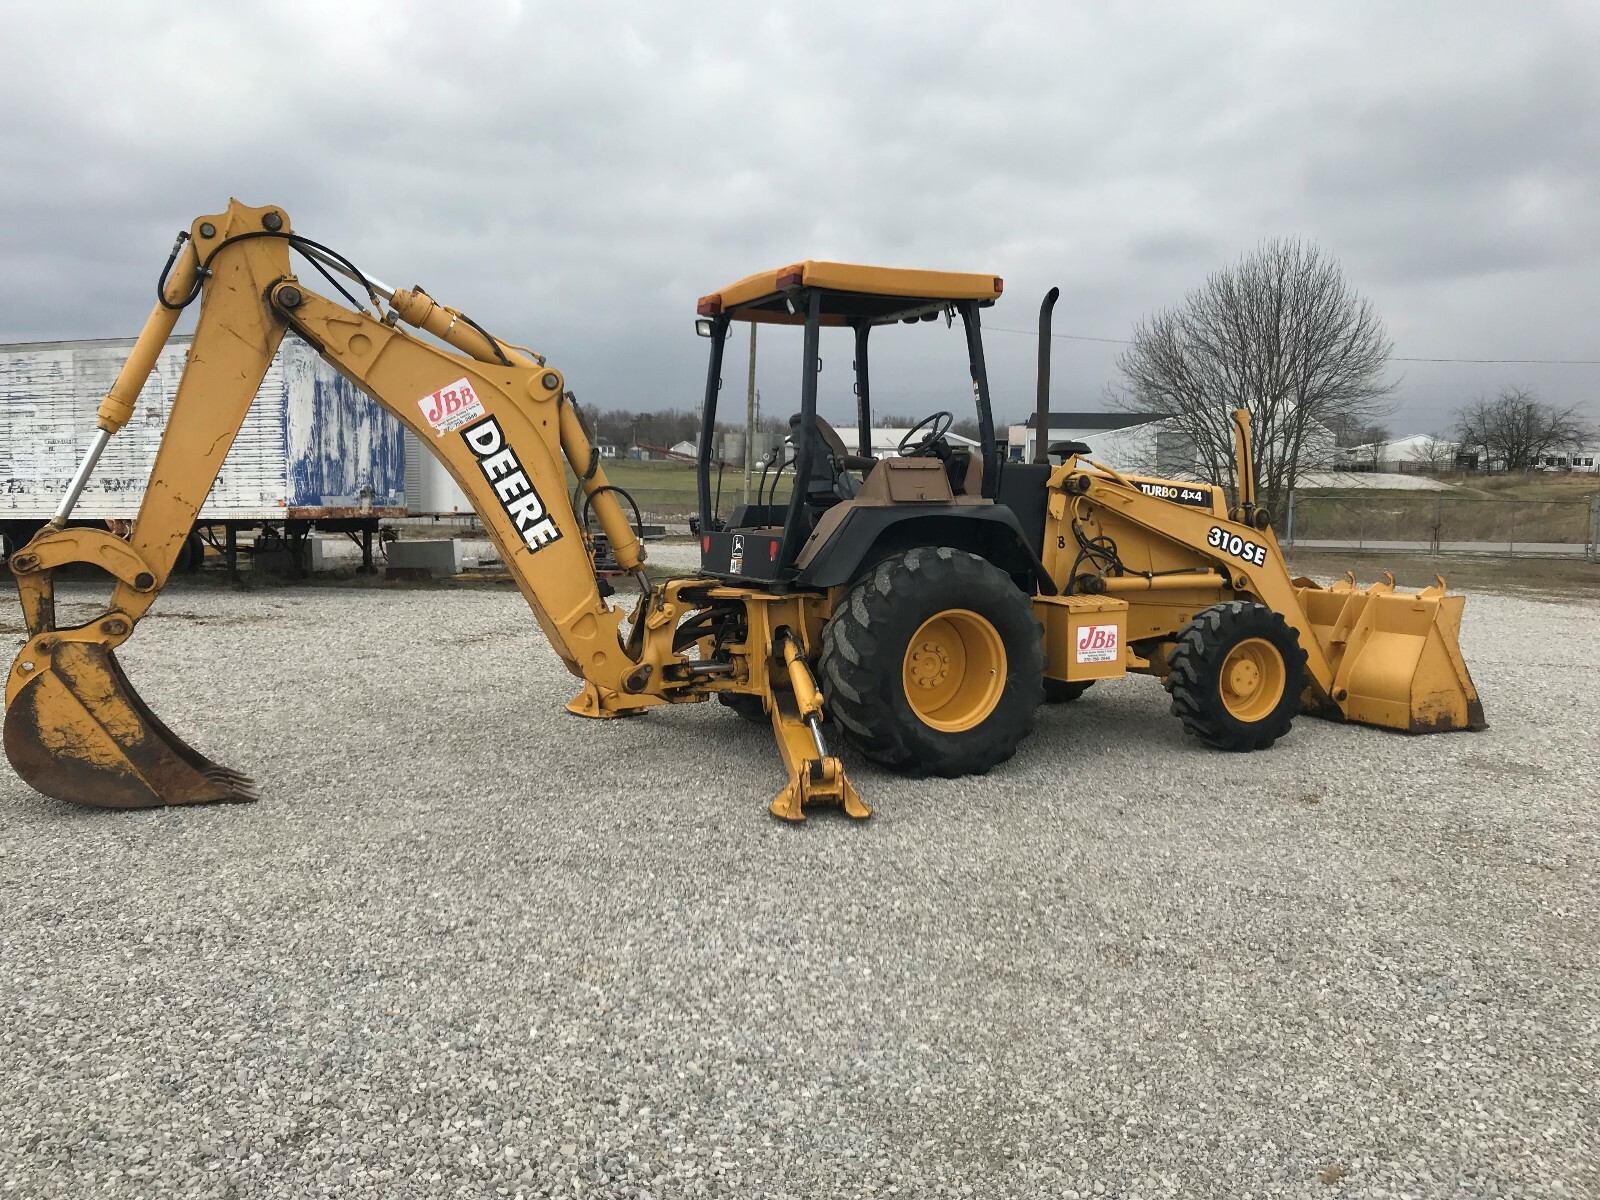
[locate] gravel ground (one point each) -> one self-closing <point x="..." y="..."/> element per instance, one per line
<point x="467" y="945"/>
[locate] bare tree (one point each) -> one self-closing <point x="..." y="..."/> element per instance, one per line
<point x="1349" y="433"/>
<point x="1435" y="454"/>
<point x="1515" y="429"/>
<point x="1280" y="333"/>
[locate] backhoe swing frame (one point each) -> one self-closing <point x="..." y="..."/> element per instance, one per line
<point x="496" y="416"/>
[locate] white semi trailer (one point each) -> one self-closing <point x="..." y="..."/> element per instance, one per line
<point x="314" y="452"/>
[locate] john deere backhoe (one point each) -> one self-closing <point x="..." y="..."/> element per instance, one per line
<point x="926" y="604"/>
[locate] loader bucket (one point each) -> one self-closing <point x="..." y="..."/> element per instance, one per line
<point x="76" y="730"/>
<point x="1396" y="656"/>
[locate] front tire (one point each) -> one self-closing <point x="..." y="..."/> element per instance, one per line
<point x="933" y="664"/>
<point x="1236" y="676"/>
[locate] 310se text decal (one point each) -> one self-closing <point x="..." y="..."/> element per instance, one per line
<point x="1232" y="543"/>
<point x="519" y="500"/>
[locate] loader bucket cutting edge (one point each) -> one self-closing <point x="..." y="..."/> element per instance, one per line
<point x="1396" y="656"/>
<point x="78" y="731"/>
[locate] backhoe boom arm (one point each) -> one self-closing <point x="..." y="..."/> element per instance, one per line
<point x="496" y="416"/>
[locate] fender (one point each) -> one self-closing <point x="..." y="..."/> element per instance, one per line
<point x="866" y="535"/>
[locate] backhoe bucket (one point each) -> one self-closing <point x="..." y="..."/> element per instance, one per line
<point x="1396" y="656"/>
<point x="76" y="730"/>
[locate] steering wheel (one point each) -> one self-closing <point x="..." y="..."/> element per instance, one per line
<point x="937" y="425"/>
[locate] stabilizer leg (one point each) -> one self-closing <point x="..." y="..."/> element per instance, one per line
<point x="591" y="702"/>
<point x="815" y="776"/>
<point x="602" y="704"/>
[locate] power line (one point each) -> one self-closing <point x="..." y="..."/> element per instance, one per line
<point x="1070" y="337"/>
<point x="1546" y="362"/>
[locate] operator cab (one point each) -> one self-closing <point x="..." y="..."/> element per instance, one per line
<point x="821" y="503"/>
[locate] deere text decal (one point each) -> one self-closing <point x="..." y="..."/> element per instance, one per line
<point x="512" y="487"/>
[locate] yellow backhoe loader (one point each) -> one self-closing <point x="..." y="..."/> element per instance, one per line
<point x="922" y="606"/>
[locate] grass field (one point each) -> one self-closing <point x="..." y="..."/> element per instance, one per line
<point x="667" y="489"/>
<point x="1524" y="510"/>
<point x="1543" y="578"/>
<point x="1488" y="508"/>
<point x="1536" y="486"/>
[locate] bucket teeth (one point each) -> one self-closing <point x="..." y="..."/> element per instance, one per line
<point x="236" y="788"/>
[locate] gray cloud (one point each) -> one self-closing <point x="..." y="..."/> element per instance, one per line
<point x="576" y="176"/>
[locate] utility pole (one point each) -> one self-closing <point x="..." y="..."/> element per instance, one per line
<point x="750" y="417"/>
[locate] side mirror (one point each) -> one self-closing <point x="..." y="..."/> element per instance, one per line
<point x="702" y="327"/>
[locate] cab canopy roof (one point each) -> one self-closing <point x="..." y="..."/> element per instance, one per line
<point x="850" y="292"/>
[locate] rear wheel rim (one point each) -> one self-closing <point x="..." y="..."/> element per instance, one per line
<point x="954" y="670"/>
<point x="1252" y="680"/>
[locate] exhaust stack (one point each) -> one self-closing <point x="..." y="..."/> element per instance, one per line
<point x="1041" y="417"/>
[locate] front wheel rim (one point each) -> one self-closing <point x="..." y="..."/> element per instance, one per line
<point x="1252" y="680"/>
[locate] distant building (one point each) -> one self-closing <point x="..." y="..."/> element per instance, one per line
<point x="1421" y="452"/>
<point x="1148" y="444"/>
<point x="1581" y="459"/>
<point x="607" y="448"/>
<point x="886" y="442"/>
<point x="1103" y="431"/>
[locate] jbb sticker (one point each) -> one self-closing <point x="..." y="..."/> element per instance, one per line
<point x="452" y="407"/>
<point x="1097" y="644"/>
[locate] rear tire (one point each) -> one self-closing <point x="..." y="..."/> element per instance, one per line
<point x="1062" y="691"/>
<point x="1236" y="676"/>
<point x="933" y="664"/>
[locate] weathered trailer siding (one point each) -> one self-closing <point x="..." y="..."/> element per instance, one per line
<point x="310" y="442"/>
<point x="340" y="444"/>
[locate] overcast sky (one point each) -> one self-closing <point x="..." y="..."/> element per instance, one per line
<point x="575" y="176"/>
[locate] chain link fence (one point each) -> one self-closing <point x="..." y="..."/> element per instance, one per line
<point x="1441" y="523"/>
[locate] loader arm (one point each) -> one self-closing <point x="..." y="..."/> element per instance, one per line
<point x="495" y="416"/>
<point x="1373" y="655"/>
<point x="1257" y="568"/>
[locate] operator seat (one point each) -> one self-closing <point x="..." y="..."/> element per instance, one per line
<point x="830" y="481"/>
<point x="965" y="470"/>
